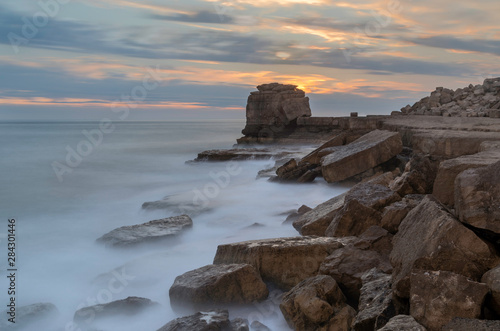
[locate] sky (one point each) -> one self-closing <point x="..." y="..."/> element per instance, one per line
<point x="200" y="59"/>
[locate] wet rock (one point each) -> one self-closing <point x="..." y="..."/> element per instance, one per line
<point x="238" y="154"/>
<point x="316" y="221"/>
<point x="295" y="215"/>
<point x="40" y="314"/>
<point x="444" y="185"/>
<point x="258" y="326"/>
<point x="436" y="297"/>
<point x="239" y="324"/>
<point x="375" y="301"/>
<point x="312" y="303"/>
<point x="128" y="306"/>
<point x="282" y="261"/>
<point x="147" y="232"/>
<point x="212" y="320"/>
<point x="403" y="323"/>
<point x="431" y="238"/>
<point x="363" y="154"/>
<point x="218" y="284"/>
<point x="477" y="193"/>
<point x="468" y="324"/>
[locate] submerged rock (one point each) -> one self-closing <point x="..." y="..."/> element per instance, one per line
<point x="212" y="320"/>
<point x="40" y="314"/>
<point x="146" y="232"/>
<point x="240" y="154"/>
<point x="213" y="285"/>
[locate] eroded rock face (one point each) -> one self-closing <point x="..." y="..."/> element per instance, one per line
<point x="312" y="303"/>
<point x="282" y="261"/>
<point x="218" y="284"/>
<point x="477" y="193"/>
<point x="403" y="323"/>
<point x="436" y="297"/>
<point x="363" y="154"/>
<point x="273" y="108"/>
<point x="212" y="320"/>
<point x="147" y="232"/>
<point x="128" y="306"/>
<point x="431" y="238"/>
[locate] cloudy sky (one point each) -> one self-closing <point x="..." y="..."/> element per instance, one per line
<point x="191" y="59"/>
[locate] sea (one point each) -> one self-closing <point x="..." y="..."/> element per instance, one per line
<point x="65" y="184"/>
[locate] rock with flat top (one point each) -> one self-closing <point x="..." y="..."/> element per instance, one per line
<point x="363" y="154"/>
<point x="148" y="232"/>
<point x="212" y="320"/>
<point x="128" y="306"/>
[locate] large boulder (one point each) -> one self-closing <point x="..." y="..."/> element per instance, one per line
<point x="274" y="107"/>
<point x="282" y="261"/>
<point x="343" y="138"/>
<point x="363" y="154"/>
<point x="436" y="297"/>
<point x="375" y="302"/>
<point x="431" y="238"/>
<point x="213" y="285"/>
<point x="312" y="303"/>
<point x="146" y="232"/>
<point x="444" y="185"/>
<point x="477" y="193"/>
<point x="403" y="323"/>
<point x="118" y="308"/>
<point x="316" y="221"/>
<point x="212" y="320"/>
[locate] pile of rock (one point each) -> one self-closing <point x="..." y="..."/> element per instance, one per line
<point x="471" y="101"/>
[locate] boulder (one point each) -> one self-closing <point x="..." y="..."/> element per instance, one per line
<point x="431" y="238"/>
<point x="128" y="306"/>
<point x="363" y="154"/>
<point x="212" y="320"/>
<point x="343" y="138"/>
<point x="393" y="215"/>
<point x="469" y="324"/>
<point x="418" y="177"/>
<point x="403" y="323"/>
<point x="258" y="326"/>
<point x="238" y="154"/>
<point x="316" y="221"/>
<point x="273" y="108"/>
<point x="444" y="185"/>
<point x="361" y="209"/>
<point x="375" y="302"/>
<point x="239" y="324"/>
<point x="436" y="297"/>
<point x="492" y="280"/>
<point x="312" y="303"/>
<point x="214" y="285"/>
<point x="147" y="232"/>
<point x="477" y="193"/>
<point x="282" y="261"/>
<point x="43" y="315"/>
<point x="295" y="215"/>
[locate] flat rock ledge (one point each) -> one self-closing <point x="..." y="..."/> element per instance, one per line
<point x="146" y="232"/>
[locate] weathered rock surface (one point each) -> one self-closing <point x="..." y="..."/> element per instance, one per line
<point x="477" y="193"/>
<point x="361" y="209"/>
<point x="418" y="177"/>
<point x="436" y="297"/>
<point x="403" y="323"/>
<point x="431" y="238"/>
<point x="283" y="261"/>
<point x="312" y="303"/>
<point x="444" y="185"/>
<point x="274" y="107"/>
<point x="218" y="284"/>
<point x="489" y="145"/>
<point x="303" y="173"/>
<point x="128" y="306"/>
<point x="316" y="221"/>
<point x="468" y="324"/>
<point x="363" y="154"/>
<point x="375" y="302"/>
<point x="394" y="214"/>
<point x="238" y="154"/>
<point x="212" y="320"/>
<point x="40" y="314"/>
<point x="492" y="280"/>
<point x="147" y="232"/>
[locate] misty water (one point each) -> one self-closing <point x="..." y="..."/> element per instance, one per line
<point x="58" y="222"/>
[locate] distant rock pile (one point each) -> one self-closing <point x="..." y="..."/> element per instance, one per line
<point x="273" y="109"/>
<point x="471" y="101"/>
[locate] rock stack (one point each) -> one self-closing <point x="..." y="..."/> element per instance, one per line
<point x="471" y="101"/>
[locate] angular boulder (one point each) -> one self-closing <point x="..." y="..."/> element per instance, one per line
<point x="469" y="324"/>
<point x="363" y="154"/>
<point x="403" y="323"/>
<point x="477" y="193"/>
<point x="393" y="215"/>
<point x="312" y="303"/>
<point x="128" y="306"/>
<point x="282" y="261"/>
<point x="212" y="320"/>
<point x="492" y="280"/>
<point x="213" y="285"/>
<point x="316" y="221"/>
<point x="431" y="238"/>
<point x="436" y="297"/>
<point x="418" y="177"/>
<point x="238" y="154"/>
<point x="343" y="138"/>
<point x="147" y="232"/>
<point x="444" y="185"/>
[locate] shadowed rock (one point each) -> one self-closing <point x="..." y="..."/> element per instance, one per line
<point x="316" y="221"/>
<point x="468" y="324"/>
<point x="403" y="323"/>
<point x="212" y="320"/>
